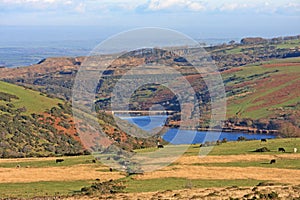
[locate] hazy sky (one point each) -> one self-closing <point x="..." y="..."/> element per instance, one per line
<point x="200" y="18"/>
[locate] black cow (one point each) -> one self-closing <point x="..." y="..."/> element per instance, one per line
<point x="93" y="161"/>
<point x="160" y="146"/>
<point x="263" y="140"/>
<point x="273" y="161"/>
<point x="110" y="169"/>
<point x="59" y="160"/>
<point x="281" y="149"/>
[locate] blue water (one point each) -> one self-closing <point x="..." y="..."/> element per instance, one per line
<point x="178" y="136"/>
<point x="147" y="123"/>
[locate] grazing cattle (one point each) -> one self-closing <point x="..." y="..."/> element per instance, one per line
<point x="94" y="161"/>
<point x="18" y="166"/>
<point x="97" y="179"/>
<point x="281" y="149"/>
<point x="273" y="161"/>
<point x="59" y="160"/>
<point x="110" y="169"/>
<point x="160" y="146"/>
<point x="263" y="140"/>
<point x="295" y="150"/>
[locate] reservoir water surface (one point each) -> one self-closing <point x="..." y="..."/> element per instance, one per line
<point x="178" y="136"/>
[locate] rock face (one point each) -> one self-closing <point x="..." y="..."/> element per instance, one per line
<point x="253" y="40"/>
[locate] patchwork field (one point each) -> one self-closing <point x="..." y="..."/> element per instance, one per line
<point x="255" y="91"/>
<point x="230" y="170"/>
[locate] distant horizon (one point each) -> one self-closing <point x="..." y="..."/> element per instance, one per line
<point x="26" y="45"/>
<point x="37" y="33"/>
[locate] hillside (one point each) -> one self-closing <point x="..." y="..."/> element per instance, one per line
<point x="55" y="75"/>
<point x="255" y="91"/>
<point x="266" y="95"/>
<point x="32" y="101"/>
<point x="261" y="78"/>
<point x="32" y="124"/>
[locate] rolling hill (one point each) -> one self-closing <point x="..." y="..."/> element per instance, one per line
<point x="266" y="93"/>
<point x="255" y="91"/>
<point x="32" y="124"/>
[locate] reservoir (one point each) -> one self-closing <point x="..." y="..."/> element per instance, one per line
<point x="179" y="136"/>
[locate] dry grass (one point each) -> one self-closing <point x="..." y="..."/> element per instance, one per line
<point x="232" y="158"/>
<point x="185" y="167"/>
<point x="229" y="173"/>
<point x="284" y="192"/>
<point x="78" y="172"/>
<point x="18" y="160"/>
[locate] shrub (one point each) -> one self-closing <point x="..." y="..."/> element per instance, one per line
<point x="108" y="187"/>
<point x="64" y="124"/>
<point x="263" y="149"/>
<point x="241" y="138"/>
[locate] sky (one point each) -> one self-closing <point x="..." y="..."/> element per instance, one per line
<point x="199" y="18"/>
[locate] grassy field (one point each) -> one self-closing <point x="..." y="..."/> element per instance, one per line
<point x="231" y="156"/>
<point x="240" y="148"/>
<point x="288" y="44"/>
<point x="285" y="45"/>
<point x="152" y="185"/>
<point x="40" y="163"/>
<point x="237" y="148"/>
<point x="33" y="101"/>
<point x="282" y="163"/>
<point x="40" y="189"/>
<point x="263" y="93"/>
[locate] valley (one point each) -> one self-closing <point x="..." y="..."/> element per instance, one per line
<point x="37" y="128"/>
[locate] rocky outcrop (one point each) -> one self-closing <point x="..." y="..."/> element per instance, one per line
<point x="253" y="40"/>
